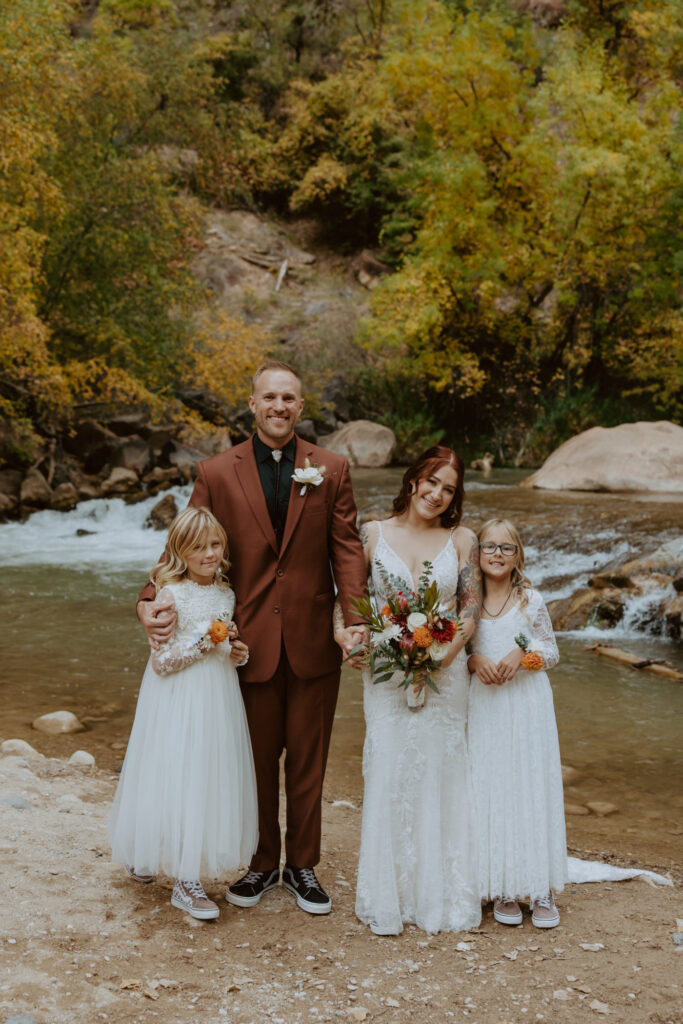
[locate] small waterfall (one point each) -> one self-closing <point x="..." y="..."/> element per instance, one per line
<point x="103" y="532"/>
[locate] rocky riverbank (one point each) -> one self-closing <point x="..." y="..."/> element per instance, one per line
<point x="128" y="456"/>
<point x="651" y="586"/>
<point x="80" y="941"/>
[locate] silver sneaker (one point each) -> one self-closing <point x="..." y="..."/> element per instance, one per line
<point x="190" y="897"/>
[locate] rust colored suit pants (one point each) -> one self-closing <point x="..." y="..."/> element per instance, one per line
<point x="296" y="715"/>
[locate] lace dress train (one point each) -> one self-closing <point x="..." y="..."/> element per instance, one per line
<point x="417" y="859"/>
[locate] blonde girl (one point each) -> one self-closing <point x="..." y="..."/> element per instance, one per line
<point x="186" y="800"/>
<point x="513" y="742"/>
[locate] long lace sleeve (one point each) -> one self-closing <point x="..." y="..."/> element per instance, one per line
<point x="179" y="651"/>
<point x="178" y="654"/>
<point x="543" y="637"/>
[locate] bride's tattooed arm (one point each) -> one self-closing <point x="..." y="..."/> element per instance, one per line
<point x="470" y="590"/>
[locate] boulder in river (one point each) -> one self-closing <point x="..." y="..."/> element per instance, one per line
<point x="630" y="457"/>
<point x="163" y="513"/>
<point x="35" y="490"/>
<point x="362" y="442"/>
<point x="64" y="497"/>
<point x="56" y="722"/>
<point x="120" y="481"/>
<point x="134" y="454"/>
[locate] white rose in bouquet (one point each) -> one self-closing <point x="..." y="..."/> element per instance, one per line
<point x="415" y="620"/>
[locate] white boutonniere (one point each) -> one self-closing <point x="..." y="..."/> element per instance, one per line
<point x="308" y="475"/>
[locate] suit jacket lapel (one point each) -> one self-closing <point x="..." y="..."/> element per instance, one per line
<point x="296" y="499"/>
<point x="248" y="476"/>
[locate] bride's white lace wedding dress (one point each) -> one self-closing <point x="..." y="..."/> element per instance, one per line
<point x="417" y="854"/>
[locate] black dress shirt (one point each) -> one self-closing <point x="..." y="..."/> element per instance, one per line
<point x="276" y="481"/>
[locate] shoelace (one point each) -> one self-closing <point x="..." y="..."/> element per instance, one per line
<point x="194" y="889"/>
<point x="308" y="876"/>
<point x="252" y="876"/>
<point x="546" y="902"/>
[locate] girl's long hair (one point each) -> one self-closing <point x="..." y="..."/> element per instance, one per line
<point x="187" y="530"/>
<point x="427" y="463"/>
<point x="521" y="584"/>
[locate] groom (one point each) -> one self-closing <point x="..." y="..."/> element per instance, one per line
<point x="289" y="543"/>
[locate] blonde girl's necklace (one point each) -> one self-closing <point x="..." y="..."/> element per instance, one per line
<point x="502" y="609"/>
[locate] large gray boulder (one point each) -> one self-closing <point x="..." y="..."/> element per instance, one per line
<point x="362" y="442"/>
<point x="630" y="457"/>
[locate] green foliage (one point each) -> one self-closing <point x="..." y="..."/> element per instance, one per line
<point x="401" y="403"/>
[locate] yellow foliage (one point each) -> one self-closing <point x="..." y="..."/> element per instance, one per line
<point x="223" y="355"/>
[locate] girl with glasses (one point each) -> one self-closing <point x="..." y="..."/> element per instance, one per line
<point x="514" y="749"/>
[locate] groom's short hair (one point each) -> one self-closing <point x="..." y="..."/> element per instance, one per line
<point x="273" y="364"/>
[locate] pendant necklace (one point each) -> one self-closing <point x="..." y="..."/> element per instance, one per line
<point x="498" y="615"/>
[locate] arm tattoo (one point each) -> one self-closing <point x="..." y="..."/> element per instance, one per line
<point x="364" y="535"/>
<point x="470" y="591"/>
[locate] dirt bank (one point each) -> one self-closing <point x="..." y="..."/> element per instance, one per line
<point x="82" y="943"/>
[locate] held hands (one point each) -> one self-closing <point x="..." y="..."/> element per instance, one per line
<point x="158" y="621"/>
<point x="349" y="637"/>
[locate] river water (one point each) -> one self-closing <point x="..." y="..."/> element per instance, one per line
<point x="71" y="641"/>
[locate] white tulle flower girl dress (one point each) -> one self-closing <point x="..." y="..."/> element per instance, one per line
<point x="186" y="800"/>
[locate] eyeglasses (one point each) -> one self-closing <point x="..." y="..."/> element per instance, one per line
<point x="489" y="548"/>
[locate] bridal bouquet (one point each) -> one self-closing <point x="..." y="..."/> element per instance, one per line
<point x="409" y="634"/>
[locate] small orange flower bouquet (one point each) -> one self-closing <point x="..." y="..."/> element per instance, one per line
<point x="218" y="631"/>
<point x="532" y="660"/>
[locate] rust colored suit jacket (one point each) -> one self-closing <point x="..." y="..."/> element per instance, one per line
<point x="287" y="594"/>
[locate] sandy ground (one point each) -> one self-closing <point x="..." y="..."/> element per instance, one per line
<point x="83" y="943"/>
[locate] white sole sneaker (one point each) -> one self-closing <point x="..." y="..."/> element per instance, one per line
<point x="200" y="915"/>
<point x="503" y="918"/>
<point x="545" y="922"/>
<point x="250" y="901"/>
<point x="310" y="908"/>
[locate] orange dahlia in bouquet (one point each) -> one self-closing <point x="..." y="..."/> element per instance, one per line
<point x="532" y="660"/>
<point x="218" y="631"/>
<point x="410" y="633"/>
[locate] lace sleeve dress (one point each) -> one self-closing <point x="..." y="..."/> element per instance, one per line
<point x="186" y="800"/>
<point x="515" y="758"/>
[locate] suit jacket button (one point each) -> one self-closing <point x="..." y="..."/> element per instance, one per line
<point x="280" y="572"/>
<point x="276" y="610"/>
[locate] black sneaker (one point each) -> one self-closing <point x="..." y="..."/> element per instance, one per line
<point x="309" y="893"/>
<point x="251" y="887"/>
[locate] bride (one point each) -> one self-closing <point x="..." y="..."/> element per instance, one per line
<point x="417" y="857"/>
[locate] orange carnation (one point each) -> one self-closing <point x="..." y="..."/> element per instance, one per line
<point x="423" y="636"/>
<point x="218" y="632"/>
<point x="386" y="611"/>
<point x="532" y="661"/>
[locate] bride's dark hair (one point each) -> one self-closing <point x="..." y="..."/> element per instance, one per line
<point x="430" y="462"/>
